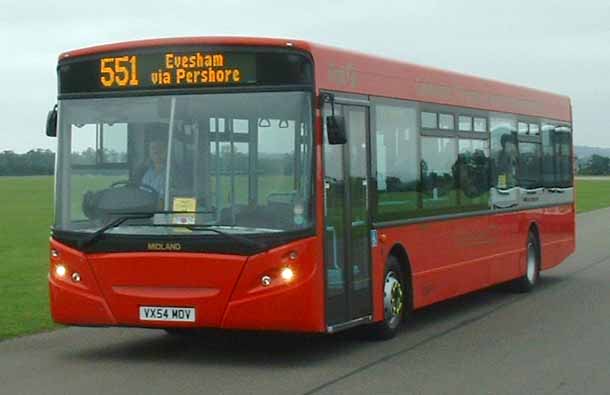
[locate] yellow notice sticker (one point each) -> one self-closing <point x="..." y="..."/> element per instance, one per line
<point x="184" y="205"/>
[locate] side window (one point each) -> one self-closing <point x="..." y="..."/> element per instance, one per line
<point x="563" y="144"/>
<point x="530" y="172"/>
<point x="522" y="127"/>
<point x="439" y="155"/>
<point x="504" y="152"/>
<point x="549" y="172"/>
<point x="473" y="174"/>
<point x="429" y="120"/>
<point x="465" y="123"/>
<point x="114" y="143"/>
<point x="557" y="156"/>
<point x="84" y="146"/>
<point x="446" y="122"/>
<point x="480" y="125"/>
<point x="395" y="142"/>
<point x="98" y="144"/>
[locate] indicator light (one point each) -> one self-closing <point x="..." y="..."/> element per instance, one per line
<point x="293" y="256"/>
<point x="54" y="253"/>
<point x="287" y="274"/>
<point x="266" y="281"/>
<point x="60" y="270"/>
<point x="76" y="277"/>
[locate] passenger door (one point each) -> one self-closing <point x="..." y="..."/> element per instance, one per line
<point x="347" y="242"/>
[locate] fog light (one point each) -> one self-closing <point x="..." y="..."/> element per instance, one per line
<point x="60" y="270"/>
<point x="287" y="274"/>
<point x="76" y="277"/>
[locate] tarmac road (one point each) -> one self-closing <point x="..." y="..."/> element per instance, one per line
<point x="554" y="340"/>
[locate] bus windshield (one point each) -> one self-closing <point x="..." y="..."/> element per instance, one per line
<point x="241" y="161"/>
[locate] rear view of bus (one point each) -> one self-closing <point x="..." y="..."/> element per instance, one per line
<point x="184" y="193"/>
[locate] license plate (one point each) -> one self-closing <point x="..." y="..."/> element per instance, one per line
<point x="171" y="314"/>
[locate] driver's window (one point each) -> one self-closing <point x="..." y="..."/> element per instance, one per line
<point x="95" y="151"/>
<point x="114" y="143"/>
<point x="84" y="145"/>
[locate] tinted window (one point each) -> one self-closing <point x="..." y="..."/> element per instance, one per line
<point x="446" y="122"/>
<point x="465" y="123"/>
<point x="480" y="125"/>
<point x="473" y="173"/>
<point x="429" y="120"/>
<point x="563" y="143"/>
<point x="549" y="173"/>
<point x="557" y="156"/>
<point x="530" y="172"/>
<point x="504" y="153"/>
<point x="397" y="170"/>
<point x="437" y="168"/>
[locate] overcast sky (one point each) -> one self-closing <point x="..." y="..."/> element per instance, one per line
<point x="559" y="46"/>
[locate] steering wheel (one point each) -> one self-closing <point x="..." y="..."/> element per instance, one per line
<point x="121" y="183"/>
<point x="128" y="183"/>
<point x="147" y="188"/>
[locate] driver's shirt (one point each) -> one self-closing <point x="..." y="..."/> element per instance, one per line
<point x="155" y="180"/>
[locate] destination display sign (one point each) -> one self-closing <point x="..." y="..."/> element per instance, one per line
<point x="180" y="68"/>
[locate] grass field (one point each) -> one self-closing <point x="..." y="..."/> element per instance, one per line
<point x="25" y="217"/>
<point x="592" y="195"/>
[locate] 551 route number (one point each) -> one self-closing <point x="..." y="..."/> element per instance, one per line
<point x="121" y="71"/>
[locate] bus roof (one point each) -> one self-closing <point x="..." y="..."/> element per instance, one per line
<point x="354" y="72"/>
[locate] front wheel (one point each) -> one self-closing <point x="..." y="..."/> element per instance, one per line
<point x="395" y="296"/>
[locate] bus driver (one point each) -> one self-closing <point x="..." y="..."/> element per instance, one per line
<point x="156" y="173"/>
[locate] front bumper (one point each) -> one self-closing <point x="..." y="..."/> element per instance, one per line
<point x="226" y="291"/>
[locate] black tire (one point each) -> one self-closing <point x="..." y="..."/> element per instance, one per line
<point x="395" y="290"/>
<point x="532" y="266"/>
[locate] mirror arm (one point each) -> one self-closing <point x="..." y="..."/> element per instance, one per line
<point x="329" y="98"/>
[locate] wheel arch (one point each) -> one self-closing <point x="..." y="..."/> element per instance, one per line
<point x="535" y="229"/>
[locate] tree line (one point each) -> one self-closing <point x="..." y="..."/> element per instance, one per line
<point x="42" y="162"/>
<point x="35" y="162"/>
<point x="596" y="165"/>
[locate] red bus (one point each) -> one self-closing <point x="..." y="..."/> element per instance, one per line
<point x="269" y="184"/>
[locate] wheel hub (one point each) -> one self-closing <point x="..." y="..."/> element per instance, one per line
<point x="531" y="263"/>
<point x="393" y="299"/>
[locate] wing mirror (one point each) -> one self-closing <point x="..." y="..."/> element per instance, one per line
<point x="51" y="129"/>
<point x="335" y="128"/>
<point x="335" y="124"/>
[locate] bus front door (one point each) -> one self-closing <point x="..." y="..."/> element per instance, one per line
<point x="347" y="239"/>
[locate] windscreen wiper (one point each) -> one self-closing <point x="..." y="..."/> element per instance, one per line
<point x="113" y="224"/>
<point x="240" y="239"/>
<point x="120" y="220"/>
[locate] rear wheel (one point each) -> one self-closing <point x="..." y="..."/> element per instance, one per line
<point x="395" y="296"/>
<point x="532" y="266"/>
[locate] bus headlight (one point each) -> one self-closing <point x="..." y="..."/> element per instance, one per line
<point x="60" y="270"/>
<point x="287" y="274"/>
